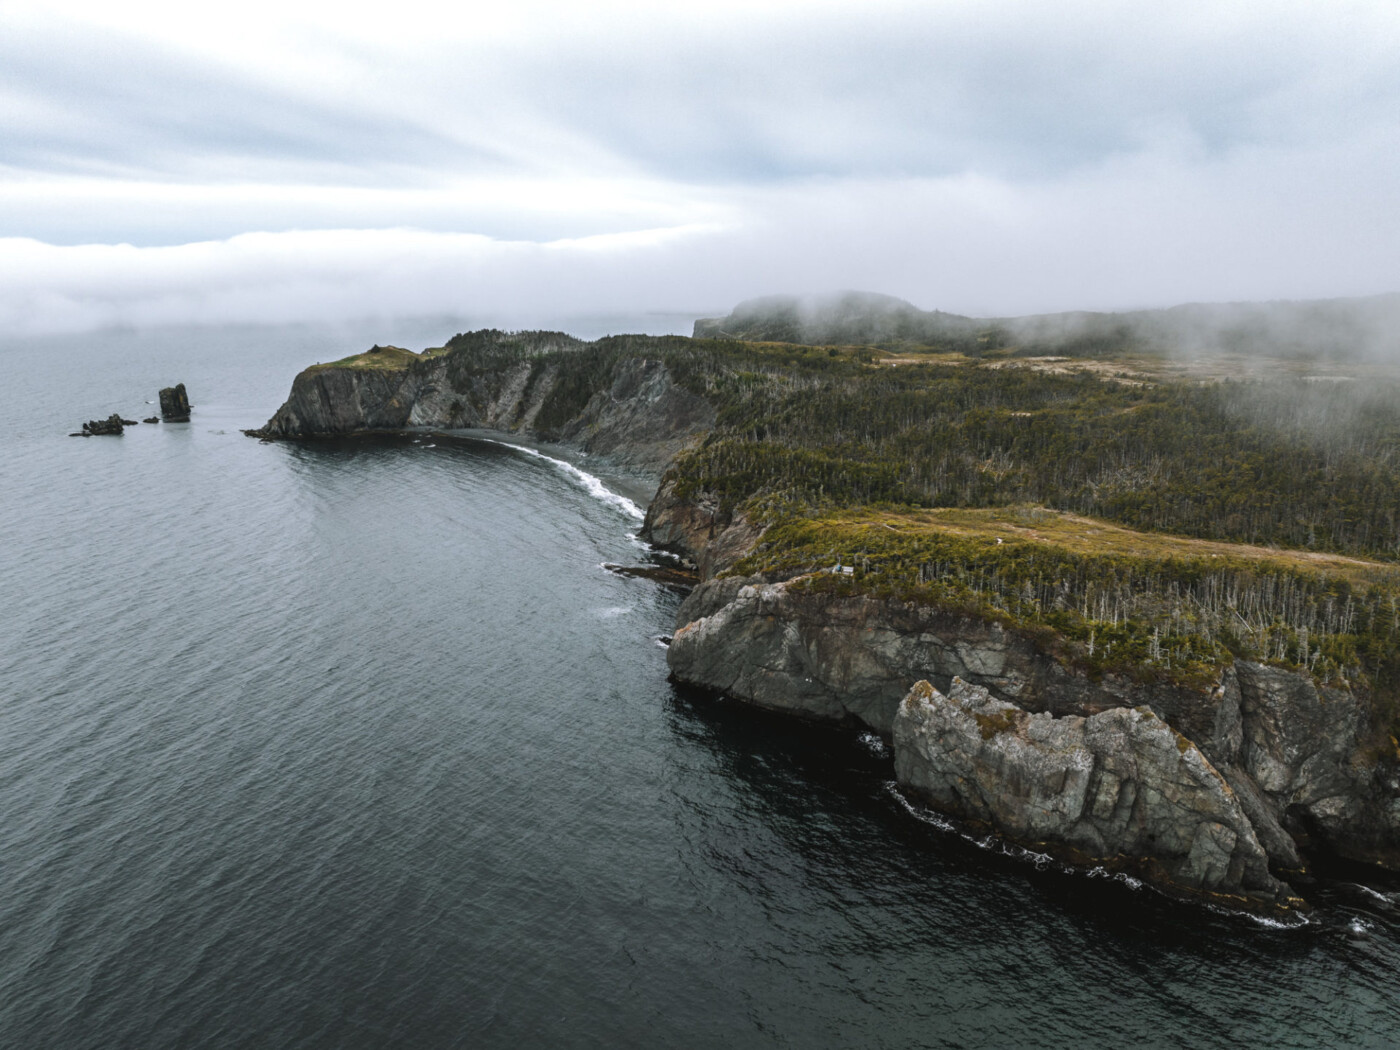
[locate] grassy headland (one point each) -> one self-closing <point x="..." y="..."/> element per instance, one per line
<point x="380" y="358"/>
<point x="1107" y="598"/>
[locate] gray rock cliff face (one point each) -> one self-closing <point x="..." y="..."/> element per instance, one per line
<point x="327" y="401"/>
<point x="706" y="537"/>
<point x="642" y="420"/>
<point x="1120" y="788"/>
<point x="638" y="423"/>
<point x="1296" y="757"/>
<point x="861" y="655"/>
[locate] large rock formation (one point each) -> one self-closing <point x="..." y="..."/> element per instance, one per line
<point x="1304" y="763"/>
<point x="1119" y="788"/>
<point x="705" y="535"/>
<point x="857" y="656"/>
<point x="637" y="419"/>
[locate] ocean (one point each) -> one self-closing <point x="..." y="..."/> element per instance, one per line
<point x="356" y="743"/>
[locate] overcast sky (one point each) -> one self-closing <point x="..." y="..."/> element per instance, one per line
<point x="178" y="161"/>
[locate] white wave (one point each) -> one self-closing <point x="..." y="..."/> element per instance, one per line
<point x="594" y="485"/>
<point x="1374" y="894"/>
<point x="1100" y="872"/>
<point x="1296" y="922"/>
<point x="873" y="743"/>
<point x="918" y="812"/>
<point x="1291" y="921"/>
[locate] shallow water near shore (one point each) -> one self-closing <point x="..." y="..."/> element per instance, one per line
<point x="355" y="743"/>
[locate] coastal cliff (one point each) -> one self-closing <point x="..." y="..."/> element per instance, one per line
<point x="628" y="411"/>
<point x="1301" y="764"/>
<point x="1215" y="716"/>
<point x="1119" y="788"/>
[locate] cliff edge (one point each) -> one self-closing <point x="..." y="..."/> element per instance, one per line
<point x="625" y="408"/>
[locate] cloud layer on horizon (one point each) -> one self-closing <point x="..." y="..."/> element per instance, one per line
<point x="164" y="164"/>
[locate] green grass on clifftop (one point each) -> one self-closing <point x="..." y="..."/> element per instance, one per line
<point x="1105" y="598"/>
<point x="380" y="359"/>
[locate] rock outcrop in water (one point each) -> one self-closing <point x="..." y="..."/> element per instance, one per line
<point x="1120" y="788"/>
<point x="175" y="404"/>
<point x="113" y="424"/>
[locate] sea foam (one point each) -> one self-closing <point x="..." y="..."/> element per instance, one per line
<point x="594" y="485"/>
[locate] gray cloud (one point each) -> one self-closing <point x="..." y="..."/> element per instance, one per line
<point x="98" y="104"/>
<point x="980" y="157"/>
<point x="1022" y="91"/>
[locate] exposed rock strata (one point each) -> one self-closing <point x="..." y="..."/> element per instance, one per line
<point x="859" y="655"/>
<point x="707" y="537"/>
<point x="1301" y="761"/>
<point x="1120" y="788"/>
<point x="637" y="422"/>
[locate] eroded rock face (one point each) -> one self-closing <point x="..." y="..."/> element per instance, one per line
<point x="642" y="420"/>
<point x="709" y="539"/>
<point x="1306" y="747"/>
<point x="1120" y="787"/>
<point x="1303" y="762"/>
<point x="858" y="655"/>
<point x="340" y="401"/>
<point x="637" y="423"/>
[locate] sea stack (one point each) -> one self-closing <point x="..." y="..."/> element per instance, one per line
<point x="175" y="404"/>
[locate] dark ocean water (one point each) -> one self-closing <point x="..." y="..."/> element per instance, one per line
<point x="355" y="744"/>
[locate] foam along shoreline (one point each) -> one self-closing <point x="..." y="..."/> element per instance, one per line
<point x="593" y="484"/>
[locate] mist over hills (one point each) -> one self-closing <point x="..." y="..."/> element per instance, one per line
<point x="1358" y="328"/>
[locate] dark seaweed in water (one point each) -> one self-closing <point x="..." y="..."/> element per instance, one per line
<point x="357" y="744"/>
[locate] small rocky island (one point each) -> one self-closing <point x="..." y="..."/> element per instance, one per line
<point x="1135" y="615"/>
<point x="175" y="404"/>
<point x="112" y="425"/>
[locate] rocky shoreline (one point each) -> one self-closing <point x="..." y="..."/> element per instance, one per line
<point x="1222" y="791"/>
